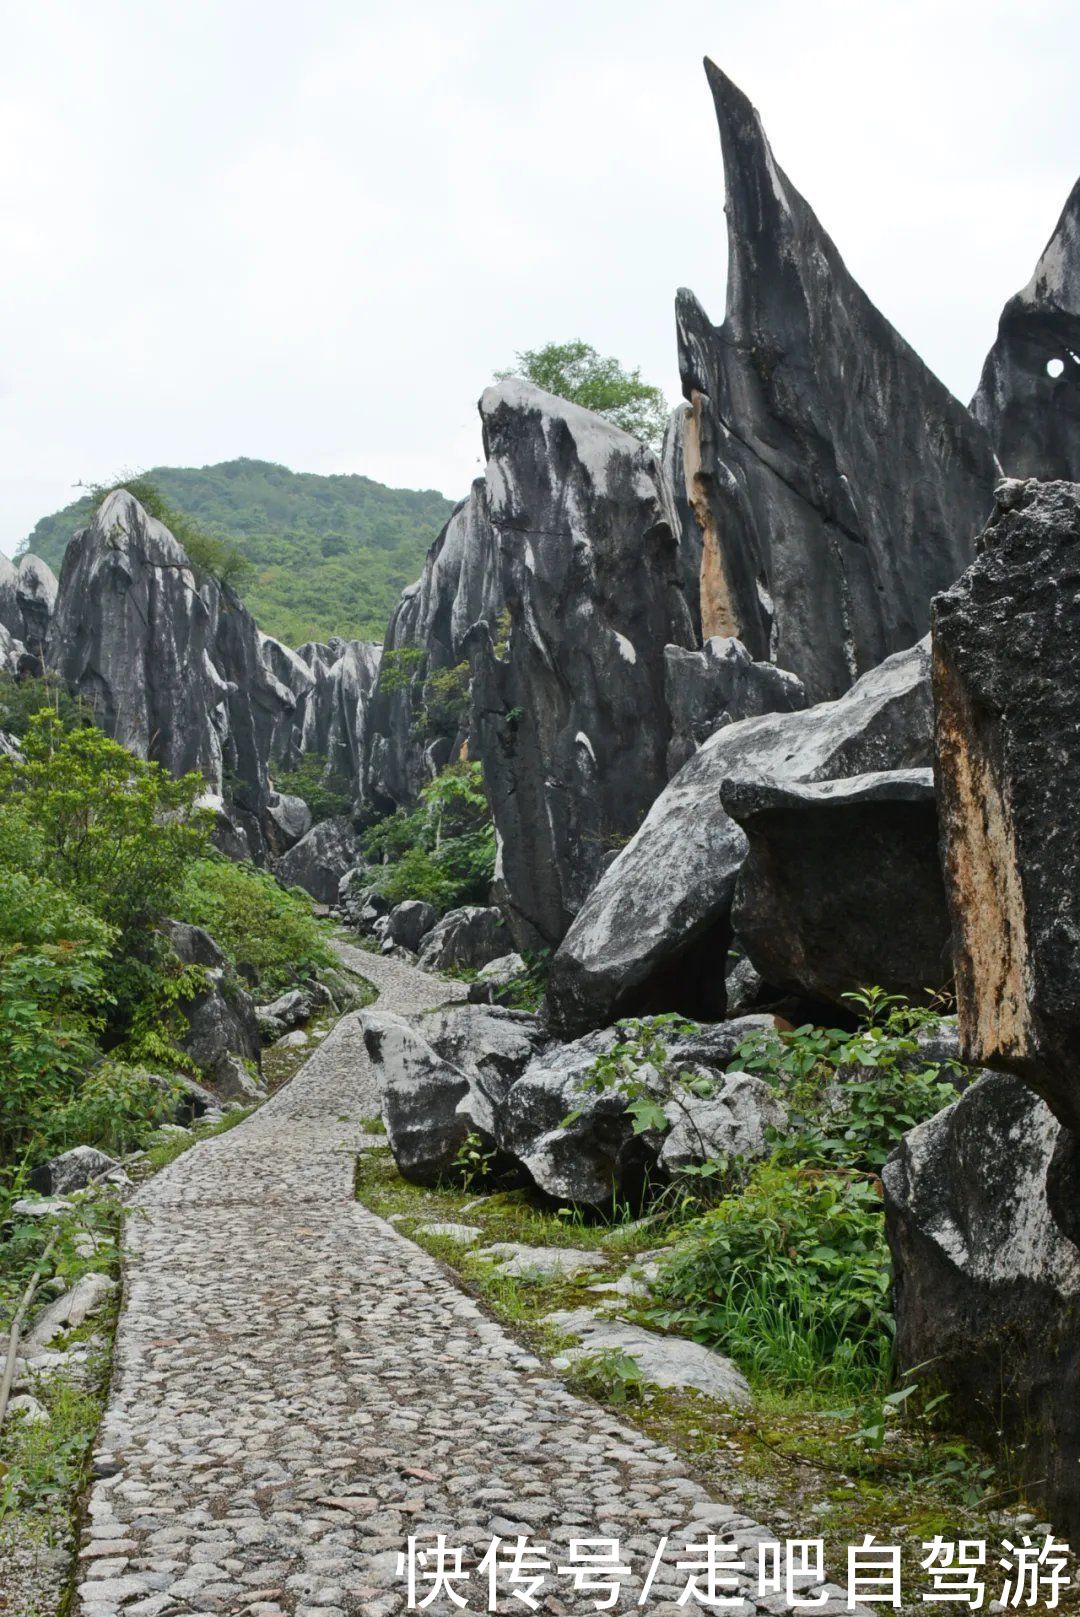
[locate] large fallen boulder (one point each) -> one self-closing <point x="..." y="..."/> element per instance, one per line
<point x="1007" y="686"/>
<point x="570" y="716"/>
<point x="988" y="1281"/>
<point x="319" y="860"/>
<point x="653" y="934"/>
<point x="837" y="482"/>
<point x="1028" y="396"/>
<point x="409" y="923"/>
<point x="443" y="1076"/>
<point x="718" y="685"/>
<point x="465" y="938"/>
<point x="732" y="1125"/>
<point x="841" y="884"/>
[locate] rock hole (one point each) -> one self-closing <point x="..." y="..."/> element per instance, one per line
<point x="1054" y="367"/>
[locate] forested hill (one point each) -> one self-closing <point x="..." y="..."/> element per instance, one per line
<point x="330" y="555"/>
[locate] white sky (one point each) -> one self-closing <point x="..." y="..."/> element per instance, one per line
<point x="310" y="232"/>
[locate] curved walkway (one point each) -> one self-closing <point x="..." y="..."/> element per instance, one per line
<point x="298" y="1389"/>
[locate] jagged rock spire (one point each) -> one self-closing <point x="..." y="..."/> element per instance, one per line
<point x="1028" y="396"/>
<point x="838" y="483"/>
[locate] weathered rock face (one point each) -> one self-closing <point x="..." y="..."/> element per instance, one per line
<point x="841" y="884"/>
<point x="718" y="685"/>
<point x="172" y="668"/>
<point x="285" y="820"/>
<point x="1031" y="414"/>
<point x="333" y="684"/>
<point x="654" y="932"/>
<point x="469" y="937"/>
<point x="988" y="1281"/>
<point x="733" y="1123"/>
<point x="461" y="584"/>
<point x="319" y="860"/>
<point x="838" y="483"/>
<point x="569" y="713"/>
<point x="1007" y="686"/>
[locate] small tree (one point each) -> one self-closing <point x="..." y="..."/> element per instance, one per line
<point x="575" y="371"/>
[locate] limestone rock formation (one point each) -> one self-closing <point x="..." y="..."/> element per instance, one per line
<point x="718" y="685"/>
<point x="1006" y="668"/>
<point x="333" y="685"/>
<point x="319" y="860"/>
<point x="841" y="884"/>
<point x="1029" y="392"/>
<point x="28" y="593"/>
<point x="837" y="482"/>
<point x="408" y="739"/>
<point x="409" y="923"/>
<point x="172" y="667"/>
<point x="654" y="932"/>
<point x="988" y="1280"/>
<point x="569" y="712"/>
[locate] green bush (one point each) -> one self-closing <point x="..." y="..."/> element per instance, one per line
<point x="20" y="699"/>
<point x="851" y="1096"/>
<point x="791" y="1278"/>
<point x="443" y="850"/>
<point x="94" y="845"/>
<point x="327" y="796"/>
<point x="266" y="931"/>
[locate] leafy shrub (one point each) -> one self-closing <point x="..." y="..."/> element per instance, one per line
<point x="443" y="850"/>
<point x="446" y="702"/>
<point x="265" y="930"/>
<point x="326" y="795"/>
<point x="20" y="699"/>
<point x="399" y="667"/>
<point x="851" y="1096"/>
<point x="791" y="1278"/>
<point x="80" y="955"/>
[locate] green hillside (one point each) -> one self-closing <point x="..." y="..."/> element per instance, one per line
<point x="329" y="555"/>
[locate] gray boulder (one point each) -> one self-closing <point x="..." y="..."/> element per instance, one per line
<point x="841" y="885"/>
<point x="409" y="923"/>
<point x="570" y="717"/>
<point x="837" y="482"/>
<point x="718" y="685"/>
<point x="285" y="820"/>
<point x="495" y="981"/>
<point x="319" y="860"/>
<point x="1032" y="414"/>
<point x="980" y="1209"/>
<point x="72" y="1170"/>
<point x="654" y="932"/>
<point x="1007" y="687"/>
<point x="468" y="937"/>
<point x="443" y="1077"/>
<point x="731" y="1124"/>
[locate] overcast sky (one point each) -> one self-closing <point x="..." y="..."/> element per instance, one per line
<point x="309" y="232"/>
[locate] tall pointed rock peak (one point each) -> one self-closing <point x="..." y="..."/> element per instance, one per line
<point x="838" y="484"/>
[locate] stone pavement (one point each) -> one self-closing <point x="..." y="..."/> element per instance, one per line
<point x="298" y="1389"/>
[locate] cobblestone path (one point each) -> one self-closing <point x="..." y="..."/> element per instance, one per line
<point x="298" y="1389"/>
